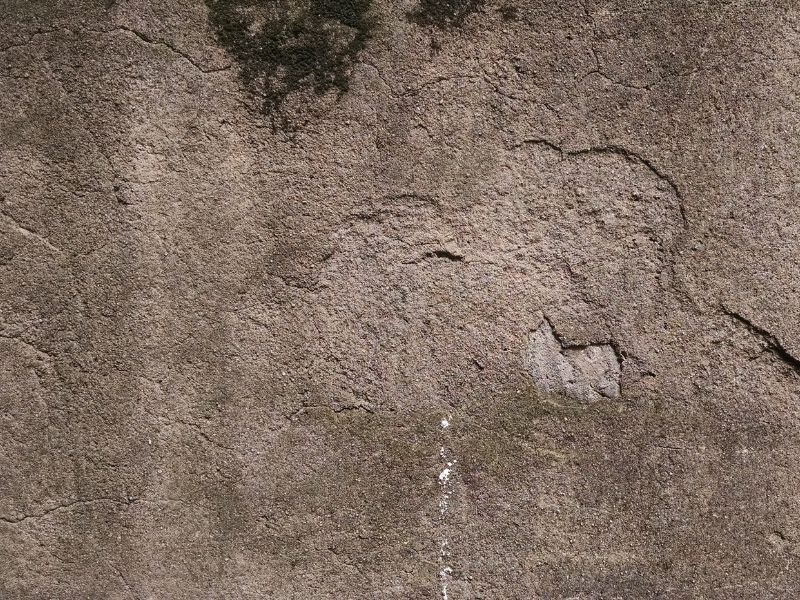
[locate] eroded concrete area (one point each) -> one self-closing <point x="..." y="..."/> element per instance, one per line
<point x="399" y="299"/>
<point x="589" y="372"/>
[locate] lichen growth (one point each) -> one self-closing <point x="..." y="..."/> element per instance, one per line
<point x="292" y="48"/>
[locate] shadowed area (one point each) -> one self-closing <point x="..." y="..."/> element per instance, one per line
<point x="444" y="13"/>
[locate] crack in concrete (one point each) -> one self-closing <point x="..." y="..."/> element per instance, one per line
<point x="19" y="339"/>
<point x="25" y="517"/>
<point x="203" y="434"/>
<point x="125" y="582"/>
<point x="148" y="40"/>
<point x="442" y="253"/>
<point x="30" y="233"/>
<point x="626" y="153"/>
<point x="770" y="341"/>
<point x="598" y="65"/>
<point x="567" y="345"/>
<point x="601" y="73"/>
<point x="445" y="254"/>
<point x="361" y="405"/>
<point x="30" y="39"/>
<point x="143" y="37"/>
<point x="589" y="371"/>
<point x="176" y="420"/>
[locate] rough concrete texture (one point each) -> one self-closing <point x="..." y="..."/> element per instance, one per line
<point x="399" y="299"/>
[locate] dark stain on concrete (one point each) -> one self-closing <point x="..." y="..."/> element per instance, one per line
<point x="509" y="12"/>
<point x="444" y="14"/>
<point x="289" y="48"/>
<point x="625" y="478"/>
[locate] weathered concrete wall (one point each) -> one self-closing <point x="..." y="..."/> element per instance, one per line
<point x="399" y="299"/>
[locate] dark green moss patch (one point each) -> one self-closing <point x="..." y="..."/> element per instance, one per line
<point x="292" y="48"/>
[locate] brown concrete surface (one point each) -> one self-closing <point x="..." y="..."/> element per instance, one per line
<point x="399" y="299"/>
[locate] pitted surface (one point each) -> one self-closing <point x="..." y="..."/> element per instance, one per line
<point x="254" y="255"/>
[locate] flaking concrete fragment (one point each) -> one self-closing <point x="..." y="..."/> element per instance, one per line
<point x="588" y="372"/>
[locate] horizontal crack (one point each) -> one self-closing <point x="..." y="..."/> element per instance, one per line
<point x="148" y="40"/>
<point x="144" y="38"/>
<point x="28" y="41"/>
<point x="446" y="254"/>
<point x="15" y="520"/>
<point x="623" y="152"/>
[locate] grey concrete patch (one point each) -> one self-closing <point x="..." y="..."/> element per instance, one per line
<point x="586" y="372"/>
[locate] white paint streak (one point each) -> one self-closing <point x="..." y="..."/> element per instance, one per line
<point x="446" y="483"/>
<point x="444" y="577"/>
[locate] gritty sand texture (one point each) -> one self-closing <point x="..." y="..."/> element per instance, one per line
<point x="399" y="299"/>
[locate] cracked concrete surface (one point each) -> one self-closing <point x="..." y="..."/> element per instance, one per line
<point x="255" y="255"/>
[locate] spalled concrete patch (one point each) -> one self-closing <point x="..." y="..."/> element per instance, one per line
<point x="586" y="372"/>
